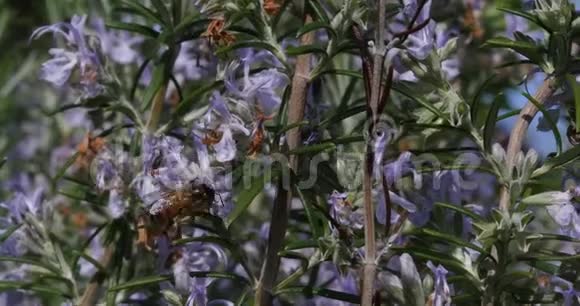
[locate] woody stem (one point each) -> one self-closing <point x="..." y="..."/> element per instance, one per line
<point x="91" y="293"/>
<point x="519" y="132"/>
<point x="279" y="222"/>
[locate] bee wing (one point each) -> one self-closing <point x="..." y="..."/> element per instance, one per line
<point x="159" y="206"/>
<point x="156" y="201"/>
<point x="152" y="197"/>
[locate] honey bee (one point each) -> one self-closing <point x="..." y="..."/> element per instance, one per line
<point x="194" y="199"/>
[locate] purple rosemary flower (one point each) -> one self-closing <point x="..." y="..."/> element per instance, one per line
<point x="30" y="203"/>
<point x="145" y="186"/>
<point x="164" y="250"/>
<point x="107" y="174"/>
<point x="79" y="55"/>
<point x="422" y="42"/>
<point x="330" y="276"/>
<point x="401" y="72"/>
<point x="150" y="152"/>
<point x="564" y="212"/>
<point x="120" y="46"/>
<point x="20" y="182"/>
<point x="13" y="245"/>
<point x="78" y="118"/>
<point x="438" y="187"/>
<point x="196" y="257"/>
<point x="203" y="157"/>
<point x="381" y="209"/>
<point x="194" y="61"/>
<point x="565" y="288"/>
<point x="251" y="56"/>
<point x="16" y="297"/>
<point x="35" y="138"/>
<point x="342" y="211"/>
<point x="399" y="168"/>
<point x="450" y="65"/>
<point x="59" y="69"/>
<point x="176" y="169"/>
<point x="393" y="172"/>
<point x="226" y="125"/>
<point x="441" y="294"/>
<point x="96" y="249"/>
<point x="166" y="167"/>
<point x="16" y="209"/>
<point x="519" y="24"/>
<point x="111" y="168"/>
<point x="257" y="90"/>
<point x="164" y="161"/>
<point x="59" y="156"/>
<point x="117" y="203"/>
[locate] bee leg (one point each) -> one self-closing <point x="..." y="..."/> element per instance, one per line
<point x="144" y="237"/>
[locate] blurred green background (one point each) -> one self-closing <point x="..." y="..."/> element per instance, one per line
<point x="28" y="132"/>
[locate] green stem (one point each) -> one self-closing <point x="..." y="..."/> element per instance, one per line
<point x="156" y="109"/>
<point x="290" y="279"/>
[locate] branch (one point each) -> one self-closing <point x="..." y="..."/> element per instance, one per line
<point x="373" y="106"/>
<point x="279" y="222"/>
<point x="519" y="132"/>
<point x="369" y="265"/>
<point x="278" y="227"/>
<point x="90" y="295"/>
<point x="386" y="89"/>
<point x="365" y="56"/>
